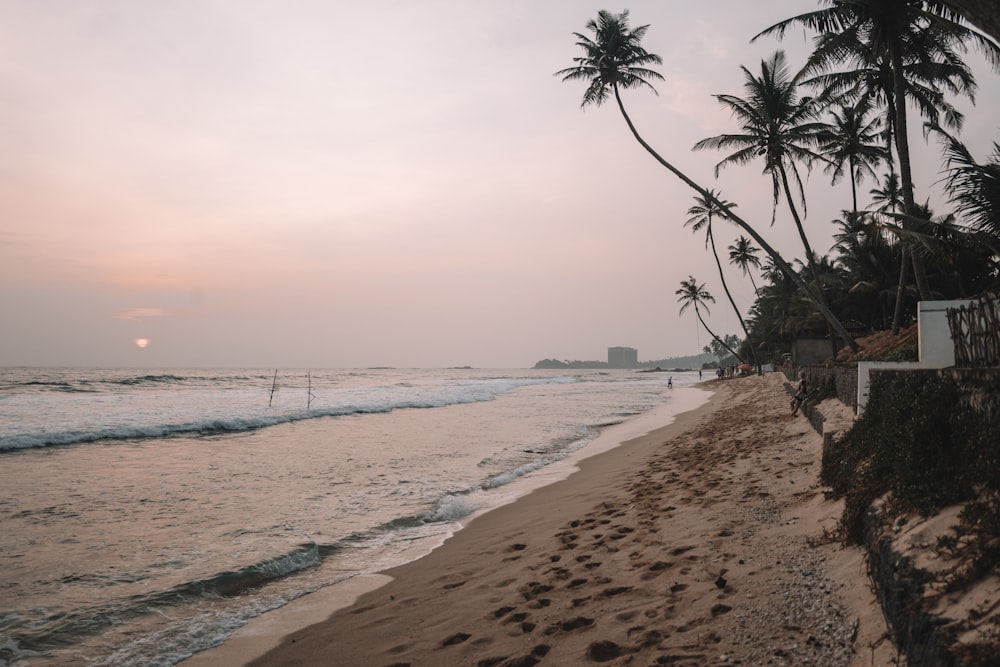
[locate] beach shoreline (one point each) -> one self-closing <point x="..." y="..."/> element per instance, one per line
<point x="267" y="631"/>
<point x="706" y="541"/>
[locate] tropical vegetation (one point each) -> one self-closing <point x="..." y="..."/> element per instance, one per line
<point x="847" y="110"/>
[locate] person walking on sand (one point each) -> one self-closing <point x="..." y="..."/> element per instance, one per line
<point x="800" y="393"/>
<point x="670" y="382"/>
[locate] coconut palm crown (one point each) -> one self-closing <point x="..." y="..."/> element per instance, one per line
<point x="613" y="59"/>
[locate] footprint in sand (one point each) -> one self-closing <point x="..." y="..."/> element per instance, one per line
<point x="503" y="611"/>
<point x="456" y="638"/>
<point x="569" y="625"/>
<point x="535" y="589"/>
<point x="604" y="651"/>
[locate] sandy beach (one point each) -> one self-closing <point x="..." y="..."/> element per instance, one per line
<point x="708" y="541"/>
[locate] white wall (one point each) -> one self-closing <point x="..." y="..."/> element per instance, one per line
<point x="934" y="346"/>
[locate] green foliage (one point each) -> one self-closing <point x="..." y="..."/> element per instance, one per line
<point x="915" y="442"/>
<point x="921" y="446"/>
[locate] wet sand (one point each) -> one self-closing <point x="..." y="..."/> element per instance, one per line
<point x="704" y="542"/>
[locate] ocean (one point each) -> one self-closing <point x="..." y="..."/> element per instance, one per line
<point x="147" y="514"/>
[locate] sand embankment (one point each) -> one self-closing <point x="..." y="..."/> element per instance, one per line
<point x="705" y="542"/>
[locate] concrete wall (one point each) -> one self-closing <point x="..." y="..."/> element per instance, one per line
<point x="864" y="376"/>
<point x="934" y="346"/>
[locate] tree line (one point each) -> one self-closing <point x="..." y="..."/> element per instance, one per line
<point x="847" y="109"/>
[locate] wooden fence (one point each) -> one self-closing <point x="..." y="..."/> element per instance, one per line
<point x="975" y="331"/>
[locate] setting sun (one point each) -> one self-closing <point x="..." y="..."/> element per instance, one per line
<point x="141" y="342"/>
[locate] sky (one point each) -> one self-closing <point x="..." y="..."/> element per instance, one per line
<point x="320" y="183"/>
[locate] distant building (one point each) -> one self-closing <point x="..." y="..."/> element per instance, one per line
<point x="623" y="357"/>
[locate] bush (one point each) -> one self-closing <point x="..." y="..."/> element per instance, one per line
<point x="915" y="442"/>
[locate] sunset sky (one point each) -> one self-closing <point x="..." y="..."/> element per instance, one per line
<point x="317" y="183"/>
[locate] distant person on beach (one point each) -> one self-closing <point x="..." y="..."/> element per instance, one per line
<point x="670" y="382"/>
<point x="800" y="393"/>
<point x="699" y="373"/>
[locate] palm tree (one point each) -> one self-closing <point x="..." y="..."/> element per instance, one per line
<point x="866" y="260"/>
<point x="901" y="38"/>
<point x="782" y="129"/>
<point x="701" y="216"/>
<point x="615" y="59"/>
<point x="776" y="126"/>
<point x="973" y="188"/>
<point x="743" y="254"/>
<point x="853" y="138"/>
<point x="890" y="201"/>
<point x="693" y="294"/>
<point x="889" y="196"/>
<point x="980" y="13"/>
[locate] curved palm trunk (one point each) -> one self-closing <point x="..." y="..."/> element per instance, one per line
<point x="712" y="334"/>
<point x="905" y="173"/>
<point x="765" y="246"/>
<point x="725" y="288"/>
<point x="810" y="256"/>
<point x="749" y="274"/>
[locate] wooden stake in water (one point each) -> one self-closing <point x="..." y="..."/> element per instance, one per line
<point x="274" y="386"/>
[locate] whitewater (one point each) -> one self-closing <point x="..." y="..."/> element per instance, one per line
<point x="148" y="513"/>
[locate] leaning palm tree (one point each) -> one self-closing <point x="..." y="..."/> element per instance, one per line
<point x="776" y="126"/>
<point x="743" y="254"/>
<point x="693" y="294"/>
<point x="614" y="59"/>
<point x="853" y="138"/>
<point x="701" y="213"/>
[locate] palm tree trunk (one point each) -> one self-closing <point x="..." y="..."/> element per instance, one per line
<point x="905" y="173"/>
<point x="725" y="288"/>
<point x="712" y="334"/>
<point x="772" y="253"/>
<point x="904" y="265"/>
<point x="854" y="186"/>
<point x="810" y="257"/>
